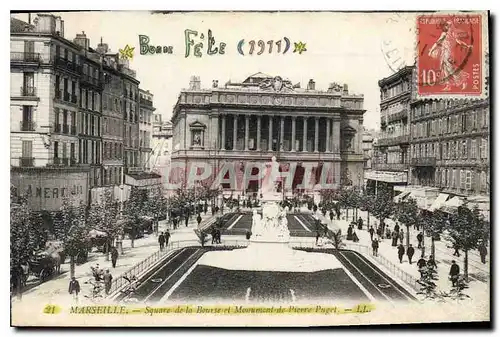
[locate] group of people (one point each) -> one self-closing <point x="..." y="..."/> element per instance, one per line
<point x="163" y="239"/>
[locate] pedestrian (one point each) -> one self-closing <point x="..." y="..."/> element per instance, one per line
<point x="174" y="222"/>
<point x="379" y="232"/>
<point x="213" y="210"/>
<point x="216" y="209"/>
<point x="372" y="231"/>
<point x="213" y="233"/>
<point x="337" y="210"/>
<point x="482" y="252"/>
<point x="331" y="215"/>
<point x="323" y="211"/>
<point x="394" y="239"/>
<point x="167" y="237"/>
<point x="360" y="223"/>
<point x="454" y="273"/>
<point x="218" y="236"/>
<point x="401" y="252"/>
<point x="375" y="247"/>
<point x="417" y="226"/>
<point x="409" y="252"/>
<point x="396" y="228"/>
<point x="205" y="208"/>
<point x="107" y="281"/>
<point x="249" y="234"/>
<point x="388" y="233"/>
<point x="74" y="288"/>
<point x="349" y="233"/>
<point x="161" y="241"/>
<point x="317" y="237"/>
<point x="97" y="272"/>
<point x="421" y="263"/>
<point x="186" y="220"/>
<point x="420" y="239"/>
<point x="401" y="236"/>
<point x="198" y="219"/>
<point x="431" y="263"/>
<point x="114" y="256"/>
<point x="355" y="237"/>
<point x="456" y="250"/>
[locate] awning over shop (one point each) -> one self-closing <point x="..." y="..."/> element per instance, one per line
<point x="439" y="202"/>
<point x="481" y="202"/>
<point x="400" y="197"/>
<point x="452" y="204"/>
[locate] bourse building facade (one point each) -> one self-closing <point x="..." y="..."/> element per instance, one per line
<point x="266" y="116"/>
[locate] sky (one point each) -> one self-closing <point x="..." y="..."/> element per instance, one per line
<point x="353" y="48"/>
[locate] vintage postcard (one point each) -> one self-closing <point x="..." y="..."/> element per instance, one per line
<point x="305" y="169"/>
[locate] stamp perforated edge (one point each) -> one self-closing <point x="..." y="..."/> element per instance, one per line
<point x="485" y="51"/>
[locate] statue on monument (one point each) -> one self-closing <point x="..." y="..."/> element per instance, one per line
<point x="271" y="181"/>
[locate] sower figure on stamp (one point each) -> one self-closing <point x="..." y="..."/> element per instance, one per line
<point x="442" y="50"/>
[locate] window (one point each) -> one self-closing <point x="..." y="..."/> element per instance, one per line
<point x="459" y="149"/>
<point x="473" y="148"/>
<point x="448" y="122"/>
<point x="27" y="149"/>
<point x="483" y="148"/>
<point x="468" y="180"/>
<point x="92" y="94"/>
<point x="444" y="175"/>
<point x="462" y="179"/>
<point x="483" y="181"/>
<point x="474" y="120"/>
<point x="457" y="178"/>
<point x="56" y="149"/>
<point x="465" y="149"/>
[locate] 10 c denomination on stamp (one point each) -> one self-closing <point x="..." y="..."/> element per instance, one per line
<point x="450" y="56"/>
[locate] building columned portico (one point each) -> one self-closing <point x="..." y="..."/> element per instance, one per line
<point x="267" y="116"/>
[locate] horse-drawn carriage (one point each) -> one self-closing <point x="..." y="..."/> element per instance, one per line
<point x="43" y="265"/>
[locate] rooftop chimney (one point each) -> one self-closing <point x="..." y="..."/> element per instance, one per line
<point x="82" y="41"/>
<point x="346" y="89"/>
<point x="102" y="48"/>
<point x="311" y="85"/>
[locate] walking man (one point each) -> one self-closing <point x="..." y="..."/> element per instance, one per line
<point x="409" y="252"/>
<point x="401" y="252"/>
<point x="114" y="256"/>
<point x="420" y="239"/>
<point x="74" y="288"/>
<point x="167" y="237"/>
<point x="198" y="219"/>
<point x="375" y="247"/>
<point x="161" y="241"/>
<point x="107" y="281"/>
<point x="482" y="252"/>
<point x="401" y="236"/>
<point x="454" y="272"/>
<point x="456" y="252"/>
<point x="421" y="265"/>
<point x="360" y="223"/>
<point x="317" y="237"/>
<point x="331" y="215"/>
<point x="431" y="263"/>
<point x="372" y="231"/>
<point x="394" y="239"/>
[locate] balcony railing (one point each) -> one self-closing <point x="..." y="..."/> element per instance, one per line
<point x="28" y="91"/>
<point x="26" y="162"/>
<point x="403" y="114"/>
<point x="25" y="57"/>
<point x="27" y="126"/>
<point x="390" y="166"/>
<point x="146" y="102"/>
<point x="68" y="65"/>
<point x="389" y="141"/>
<point x="423" y="161"/>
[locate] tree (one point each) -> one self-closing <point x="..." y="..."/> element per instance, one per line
<point x="367" y="202"/>
<point x="22" y="244"/>
<point x="75" y="231"/>
<point x="103" y="217"/>
<point x="407" y="213"/>
<point x="133" y="209"/>
<point x="155" y="205"/>
<point x="428" y="286"/>
<point x="467" y="229"/>
<point x="433" y="223"/>
<point x="336" y="239"/>
<point x="383" y="206"/>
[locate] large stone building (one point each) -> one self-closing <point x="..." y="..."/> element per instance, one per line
<point x="266" y="116"/>
<point x="161" y="147"/>
<point x="391" y="156"/>
<point x="367" y="147"/>
<point x="68" y="108"/>
<point x="145" y="128"/>
<point x="434" y="150"/>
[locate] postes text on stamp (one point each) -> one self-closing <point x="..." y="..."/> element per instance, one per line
<point x="449" y="59"/>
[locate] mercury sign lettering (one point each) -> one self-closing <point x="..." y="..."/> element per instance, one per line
<point x="53" y="193"/>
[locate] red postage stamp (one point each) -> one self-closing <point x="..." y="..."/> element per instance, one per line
<point x="449" y="59"/>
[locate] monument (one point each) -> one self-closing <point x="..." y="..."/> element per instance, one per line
<point x="269" y="248"/>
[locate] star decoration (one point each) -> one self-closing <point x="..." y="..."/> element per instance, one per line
<point x="127" y="53"/>
<point x="299" y="47"/>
